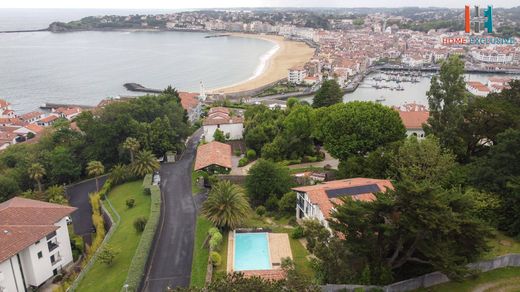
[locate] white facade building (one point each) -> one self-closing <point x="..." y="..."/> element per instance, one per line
<point x="296" y="75"/>
<point x="220" y="118"/>
<point x="317" y="201"/>
<point x="35" y="243"/>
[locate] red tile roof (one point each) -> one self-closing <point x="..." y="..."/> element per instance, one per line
<point x="31" y="115"/>
<point x="4" y="103"/>
<point x="414" y="119"/>
<point x="188" y="100"/>
<point x="213" y="153"/>
<point x="478" y="86"/>
<point x="49" y="119"/>
<point x="221" y="115"/>
<point x="24" y="221"/>
<point x="35" y="128"/>
<point x="317" y="193"/>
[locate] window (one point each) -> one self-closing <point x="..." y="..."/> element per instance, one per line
<point x="40" y="254"/>
<point x="51" y="235"/>
<point x="55" y="272"/>
<point x="37" y="242"/>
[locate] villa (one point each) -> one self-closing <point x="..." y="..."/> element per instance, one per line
<point x="213" y="157"/>
<point x="317" y="201"/>
<point x="35" y="243"/>
<point x="477" y="88"/>
<point x="226" y="121"/>
<point x="413" y="121"/>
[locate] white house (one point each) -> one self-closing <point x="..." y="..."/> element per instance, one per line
<point x="296" y="75"/>
<point x="316" y="201"/>
<point x="222" y="119"/>
<point x="34" y="241"/>
<point x="5" y="110"/>
<point x="413" y="121"/>
<point x="477" y="88"/>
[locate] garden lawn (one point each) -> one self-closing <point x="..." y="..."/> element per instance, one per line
<point x="124" y="240"/>
<point x="200" y="253"/>
<point x="505" y="279"/>
<point x="502" y="245"/>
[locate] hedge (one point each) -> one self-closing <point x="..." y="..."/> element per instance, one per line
<point x="137" y="267"/>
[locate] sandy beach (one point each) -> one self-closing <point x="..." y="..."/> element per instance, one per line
<point x="289" y="54"/>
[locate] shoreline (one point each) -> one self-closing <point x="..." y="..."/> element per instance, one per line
<point x="284" y="55"/>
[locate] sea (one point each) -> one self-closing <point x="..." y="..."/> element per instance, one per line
<point x="86" y="67"/>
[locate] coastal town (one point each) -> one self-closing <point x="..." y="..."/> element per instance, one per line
<point x="279" y="182"/>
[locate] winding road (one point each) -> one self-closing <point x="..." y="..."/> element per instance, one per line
<point x="169" y="264"/>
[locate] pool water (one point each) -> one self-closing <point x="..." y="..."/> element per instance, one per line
<point x="252" y="252"/>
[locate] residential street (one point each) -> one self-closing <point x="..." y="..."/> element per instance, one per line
<point x="78" y="195"/>
<point x="169" y="264"/>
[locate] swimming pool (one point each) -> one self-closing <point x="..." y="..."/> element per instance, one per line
<point x="252" y="252"/>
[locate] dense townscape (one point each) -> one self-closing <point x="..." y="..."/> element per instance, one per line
<point x="185" y="191"/>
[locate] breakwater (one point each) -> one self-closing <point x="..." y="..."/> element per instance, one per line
<point x="136" y="87"/>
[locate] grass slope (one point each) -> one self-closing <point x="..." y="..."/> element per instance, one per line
<point x="200" y="253"/>
<point x="506" y="279"/>
<point x="125" y="240"/>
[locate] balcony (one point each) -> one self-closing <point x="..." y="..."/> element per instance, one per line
<point x="52" y="245"/>
<point x="55" y="259"/>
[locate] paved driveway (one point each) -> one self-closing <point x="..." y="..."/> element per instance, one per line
<point x="78" y="195"/>
<point x="169" y="264"/>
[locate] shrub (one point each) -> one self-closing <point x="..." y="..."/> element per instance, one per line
<point x="243" y="162"/>
<point x="215" y="241"/>
<point x="297" y="232"/>
<point x="260" y="210"/>
<point x="287" y="203"/>
<point x="140" y="224"/>
<point x="147" y="192"/>
<point x="107" y="255"/>
<point x="237" y="152"/>
<point x="212" y="231"/>
<point x="216" y="259"/>
<point x="130" y="203"/>
<point x="251" y="154"/>
<point x="272" y="203"/>
<point x="292" y="221"/>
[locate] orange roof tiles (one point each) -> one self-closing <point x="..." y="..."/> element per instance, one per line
<point x="4" y="103"/>
<point x="188" y="100"/>
<point x="35" y="128"/>
<point x="414" y="119"/>
<point x="317" y="193"/>
<point x="278" y="274"/>
<point x="213" y="153"/>
<point x="24" y="221"/>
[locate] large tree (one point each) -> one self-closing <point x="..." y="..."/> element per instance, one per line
<point x="295" y="137"/>
<point x="261" y="126"/>
<point x="413" y="229"/>
<point x="266" y="179"/>
<point x="330" y="93"/>
<point x="63" y="165"/>
<point x="227" y="206"/>
<point x="447" y="101"/>
<point x="356" y="128"/>
<point x="499" y="172"/>
<point x="422" y="160"/>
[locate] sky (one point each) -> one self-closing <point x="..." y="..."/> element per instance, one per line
<point x="184" y="4"/>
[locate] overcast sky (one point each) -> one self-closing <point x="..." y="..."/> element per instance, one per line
<point x="182" y="4"/>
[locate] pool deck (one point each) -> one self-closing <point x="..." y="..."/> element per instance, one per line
<point x="279" y="248"/>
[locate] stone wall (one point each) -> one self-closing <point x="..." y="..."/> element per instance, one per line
<point x="431" y="279"/>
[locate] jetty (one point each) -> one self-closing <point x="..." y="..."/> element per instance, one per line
<point x="51" y="106"/>
<point x="136" y="87"/>
<point x="216" y="36"/>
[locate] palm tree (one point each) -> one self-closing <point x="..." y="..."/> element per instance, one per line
<point x="226" y="206"/>
<point x="36" y="173"/>
<point x="119" y="173"/>
<point x="145" y="163"/>
<point x="132" y="145"/>
<point x="95" y="169"/>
